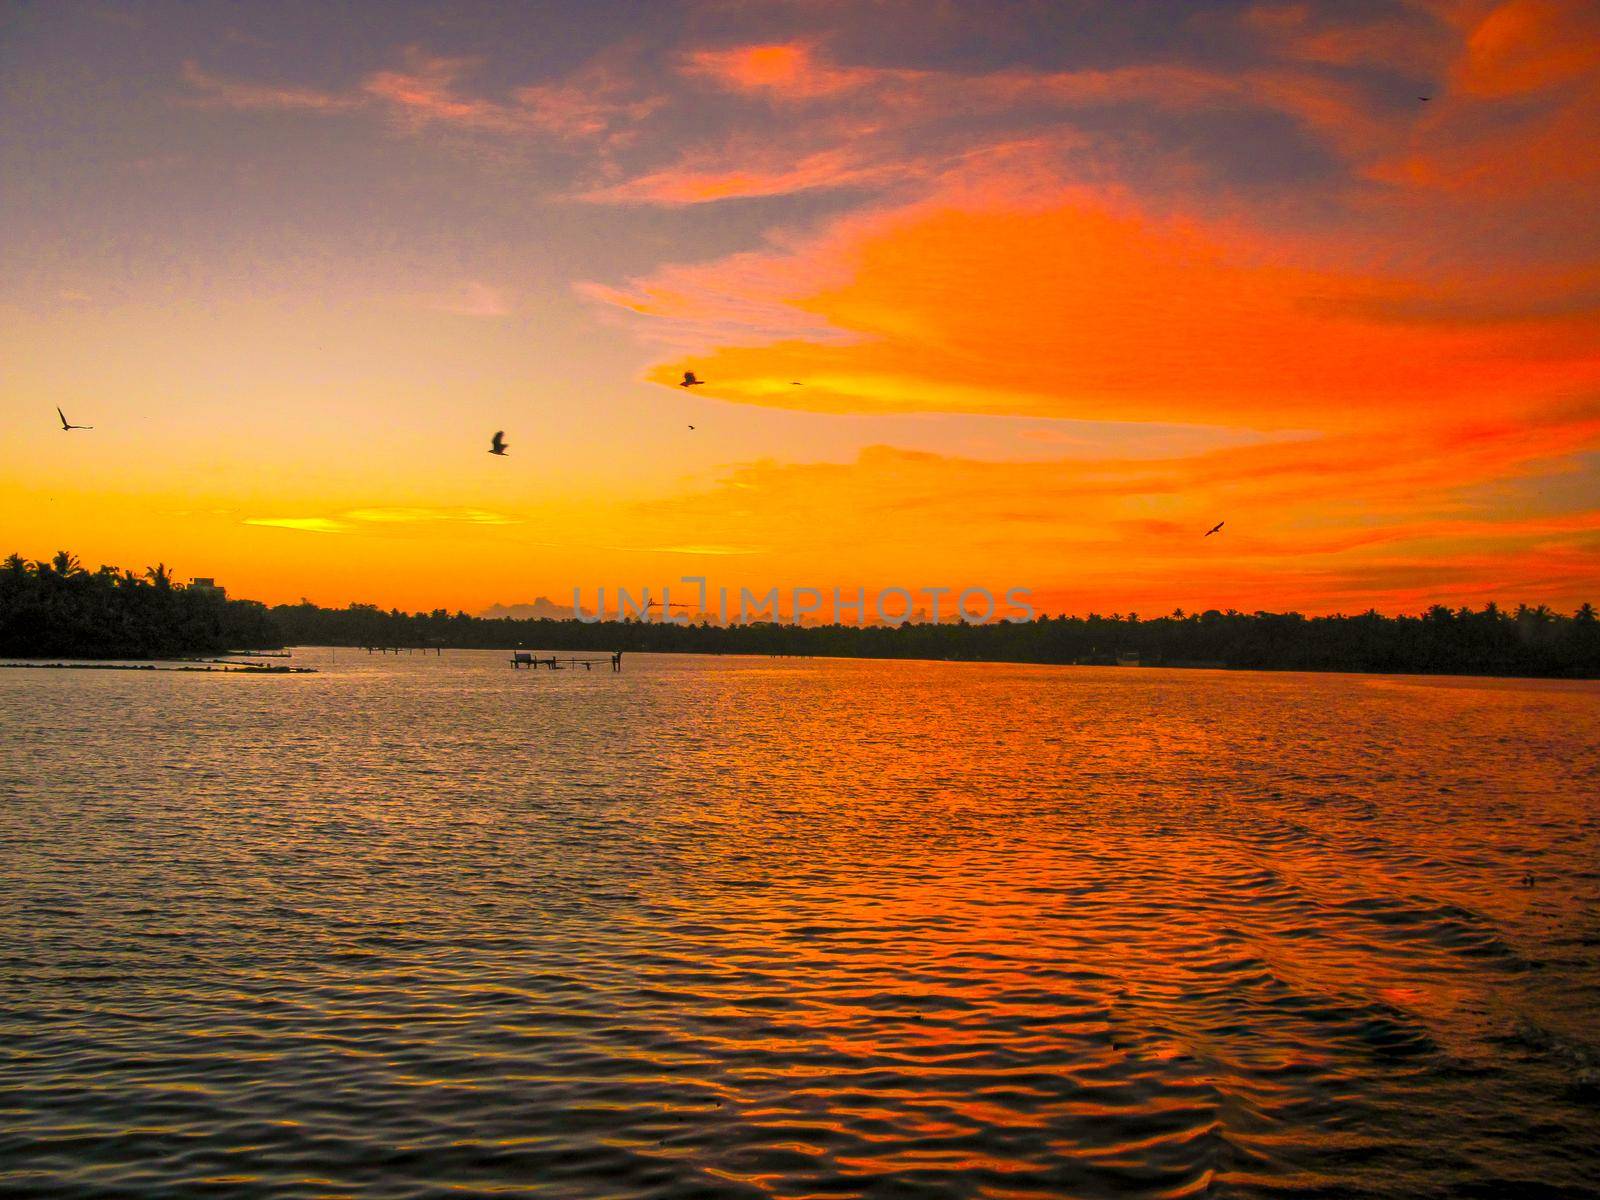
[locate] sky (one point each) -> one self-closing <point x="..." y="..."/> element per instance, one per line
<point x="1003" y="295"/>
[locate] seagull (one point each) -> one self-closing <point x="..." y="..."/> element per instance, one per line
<point x="1424" y="97"/>
<point x="65" y="425"/>
<point x="691" y="427"/>
<point x="498" y="444"/>
<point x="794" y="383"/>
<point x="689" y="380"/>
<point x="1215" y="527"/>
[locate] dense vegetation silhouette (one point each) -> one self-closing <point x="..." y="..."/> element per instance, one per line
<point x="1490" y="641"/>
<point x="56" y="608"/>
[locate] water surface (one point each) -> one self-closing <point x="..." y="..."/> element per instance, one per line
<point x="740" y="927"/>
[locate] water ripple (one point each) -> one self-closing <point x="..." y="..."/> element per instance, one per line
<point x="749" y="928"/>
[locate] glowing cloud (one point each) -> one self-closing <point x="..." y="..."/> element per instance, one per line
<point x="1350" y="250"/>
<point x="302" y="524"/>
<point x="785" y="71"/>
<point x="1079" y="310"/>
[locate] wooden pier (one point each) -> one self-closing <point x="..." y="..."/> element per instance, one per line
<point x="524" y="658"/>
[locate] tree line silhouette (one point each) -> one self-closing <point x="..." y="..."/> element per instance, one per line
<point x="55" y="607"/>
<point x="1488" y="641"/>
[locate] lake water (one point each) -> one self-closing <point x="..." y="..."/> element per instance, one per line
<point x="751" y="927"/>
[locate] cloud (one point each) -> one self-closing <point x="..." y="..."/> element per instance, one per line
<point x="1100" y="272"/>
<point x="216" y="92"/>
<point x="1402" y="37"/>
<point x="1271" y="232"/>
<point x="741" y="296"/>
<point x="1089" y="309"/>
<point x="782" y="71"/>
<point x="1362" y="517"/>
<point x="1530" y="45"/>
<point x="303" y="524"/>
<point x="749" y="175"/>
<point x="391" y="516"/>
<point x="880" y="127"/>
<point x="599" y="102"/>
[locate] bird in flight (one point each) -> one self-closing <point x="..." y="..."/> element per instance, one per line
<point x="497" y="444"/>
<point x="691" y="427"/>
<point x="1215" y="527"/>
<point x="689" y="380"/>
<point x="1424" y="97"/>
<point x="66" y="425"/>
<point x="794" y="383"/>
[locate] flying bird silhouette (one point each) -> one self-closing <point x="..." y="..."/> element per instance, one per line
<point x="795" y="383"/>
<point x="497" y="444"/>
<point x="1215" y="527"/>
<point x="1424" y="97"/>
<point x="691" y="427"/>
<point x="66" y="425"/>
<point x="689" y="380"/>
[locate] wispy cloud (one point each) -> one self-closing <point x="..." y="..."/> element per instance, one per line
<point x="789" y="71"/>
<point x="1276" y="232"/>
<point x="1381" y="517"/>
<point x="1073" y="275"/>
<point x="1080" y="310"/>
<point x="599" y="102"/>
<point x="354" y="518"/>
<point x="302" y="524"/>
<point x="217" y="92"/>
<point x="751" y="175"/>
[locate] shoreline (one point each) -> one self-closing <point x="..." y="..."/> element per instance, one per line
<point x="241" y="669"/>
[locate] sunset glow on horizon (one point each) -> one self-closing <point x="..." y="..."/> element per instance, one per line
<point x="1020" y="297"/>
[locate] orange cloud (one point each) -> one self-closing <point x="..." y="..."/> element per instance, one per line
<point x="748" y="176"/>
<point x="600" y="102"/>
<point x="1084" y="311"/>
<point x="885" y="127"/>
<point x="425" y="92"/>
<point x="785" y="71"/>
<point x="795" y="72"/>
<point x="1530" y="45"/>
<point x="1518" y="113"/>
<point x="1392" y="520"/>
<point x="1407" y="37"/>
<point x="1429" y="355"/>
<point x="214" y="91"/>
<point x="1406" y="290"/>
<point x="1436" y="160"/>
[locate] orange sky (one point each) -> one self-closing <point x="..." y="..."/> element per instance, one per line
<point x="1009" y="297"/>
